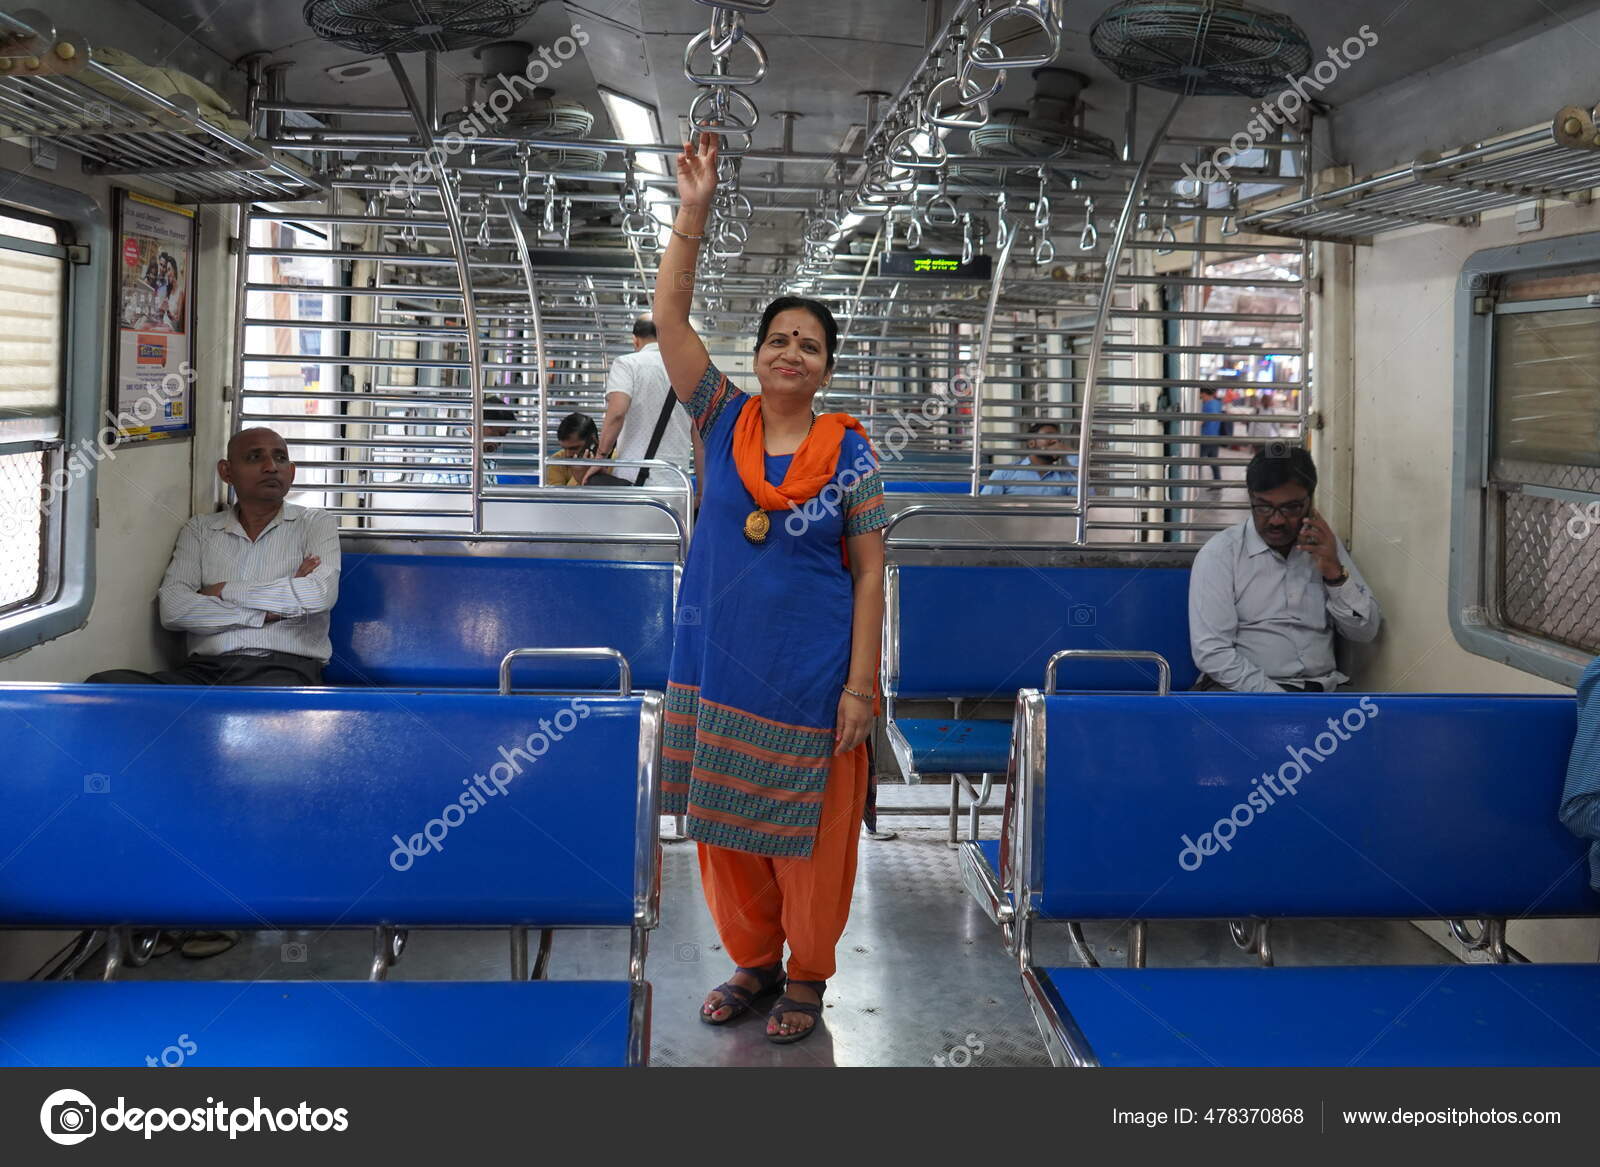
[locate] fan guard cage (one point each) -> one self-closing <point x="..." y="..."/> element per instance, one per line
<point x="1211" y="47"/>
<point x="411" y="26"/>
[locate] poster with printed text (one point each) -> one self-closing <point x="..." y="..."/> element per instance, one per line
<point x="152" y="378"/>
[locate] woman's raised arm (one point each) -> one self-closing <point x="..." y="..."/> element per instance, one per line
<point x="682" y="350"/>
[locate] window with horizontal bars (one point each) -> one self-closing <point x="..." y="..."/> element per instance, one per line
<point x="1543" y="504"/>
<point x="33" y="281"/>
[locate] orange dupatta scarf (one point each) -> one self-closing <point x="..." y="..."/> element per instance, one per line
<point x="813" y="465"/>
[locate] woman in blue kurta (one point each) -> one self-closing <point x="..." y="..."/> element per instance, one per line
<point x="771" y="691"/>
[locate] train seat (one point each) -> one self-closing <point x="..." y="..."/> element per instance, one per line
<point x="985" y="632"/>
<point x="1232" y="806"/>
<point x="446" y="621"/>
<point x="273" y="809"/>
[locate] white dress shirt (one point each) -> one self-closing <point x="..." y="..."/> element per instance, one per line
<point x="1257" y="618"/>
<point x="259" y="578"/>
<point x="643" y="377"/>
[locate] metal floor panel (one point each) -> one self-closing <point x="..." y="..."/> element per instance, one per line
<point x="922" y="978"/>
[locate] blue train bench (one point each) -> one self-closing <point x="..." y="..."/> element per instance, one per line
<point x="447" y="621"/>
<point x="256" y="808"/>
<point x="1231" y="806"/>
<point x="979" y="633"/>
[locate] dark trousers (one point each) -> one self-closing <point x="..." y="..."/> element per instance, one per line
<point x="1207" y="684"/>
<point x="275" y="668"/>
<point x="1212" y="452"/>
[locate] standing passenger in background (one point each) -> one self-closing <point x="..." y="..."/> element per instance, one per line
<point x="637" y="391"/>
<point x="253" y="585"/>
<point x="1266" y="595"/>
<point x="1580" y="797"/>
<point x="1211" y="404"/>
<point x="770" y="697"/>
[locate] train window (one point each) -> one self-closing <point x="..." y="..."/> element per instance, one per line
<point x="1527" y="552"/>
<point x="53" y="251"/>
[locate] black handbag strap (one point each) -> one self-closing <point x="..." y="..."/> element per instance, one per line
<point x="660" y="432"/>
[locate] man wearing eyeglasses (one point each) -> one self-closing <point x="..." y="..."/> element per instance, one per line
<point x="1266" y="596"/>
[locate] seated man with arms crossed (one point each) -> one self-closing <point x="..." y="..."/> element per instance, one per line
<point x="1266" y="595"/>
<point x="252" y="585"/>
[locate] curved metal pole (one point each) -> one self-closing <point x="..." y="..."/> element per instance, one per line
<point x="983" y="360"/>
<point x="458" y="240"/>
<point x="525" y="257"/>
<point x="1102" y="316"/>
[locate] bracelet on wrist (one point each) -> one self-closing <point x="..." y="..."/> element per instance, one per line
<point x="857" y="693"/>
<point x="1338" y="581"/>
<point x="686" y="235"/>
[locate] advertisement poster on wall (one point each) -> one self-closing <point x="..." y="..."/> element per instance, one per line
<point x="152" y="386"/>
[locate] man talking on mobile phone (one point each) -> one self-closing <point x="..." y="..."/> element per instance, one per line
<point x="1267" y="596"/>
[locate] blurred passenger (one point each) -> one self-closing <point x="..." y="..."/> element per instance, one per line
<point x="1267" y="595"/>
<point x="253" y="585"/>
<point x="1210" y="403"/>
<point x="1580" y="797"/>
<point x="578" y="438"/>
<point x="1038" y="473"/>
<point x="1264" y="426"/>
<point x="642" y="418"/>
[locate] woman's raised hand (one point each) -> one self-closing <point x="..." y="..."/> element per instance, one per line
<point x="697" y="170"/>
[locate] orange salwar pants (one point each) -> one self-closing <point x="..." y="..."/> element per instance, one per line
<point x="760" y="901"/>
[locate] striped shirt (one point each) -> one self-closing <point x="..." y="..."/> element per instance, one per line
<point x="1580" y="797"/>
<point x="259" y="579"/>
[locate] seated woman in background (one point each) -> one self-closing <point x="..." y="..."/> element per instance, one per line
<point x="578" y="437"/>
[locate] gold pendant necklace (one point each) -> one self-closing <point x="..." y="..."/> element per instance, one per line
<point x="757" y="525"/>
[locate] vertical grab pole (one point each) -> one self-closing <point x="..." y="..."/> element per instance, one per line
<point x="1102" y="316"/>
<point x="469" y="308"/>
<point x="525" y="257"/>
<point x="983" y="360"/>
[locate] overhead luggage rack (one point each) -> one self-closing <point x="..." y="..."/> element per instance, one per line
<point x="52" y="89"/>
<point x="1561" y="160"/>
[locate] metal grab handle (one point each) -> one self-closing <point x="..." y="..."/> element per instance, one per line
<point x="984" y="92"/>
<point x="938" y="207"/>
<point x="722" y="118"/>
<point x="985" y="54"/>
<point x="720" y="62"/>
<point x="1166" y="235"/>
<point x="967" y="248"/>
<point x="748" y="7"/>
<point x="1044" y="253"/>
<point x="1459" y="929"/>
<point x="932" y="109"/>
<point x="1090" y="238"/>
<point x="1163" y="683"/>
<point x="624" y="670"/>
<point x="902" y="153"/>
